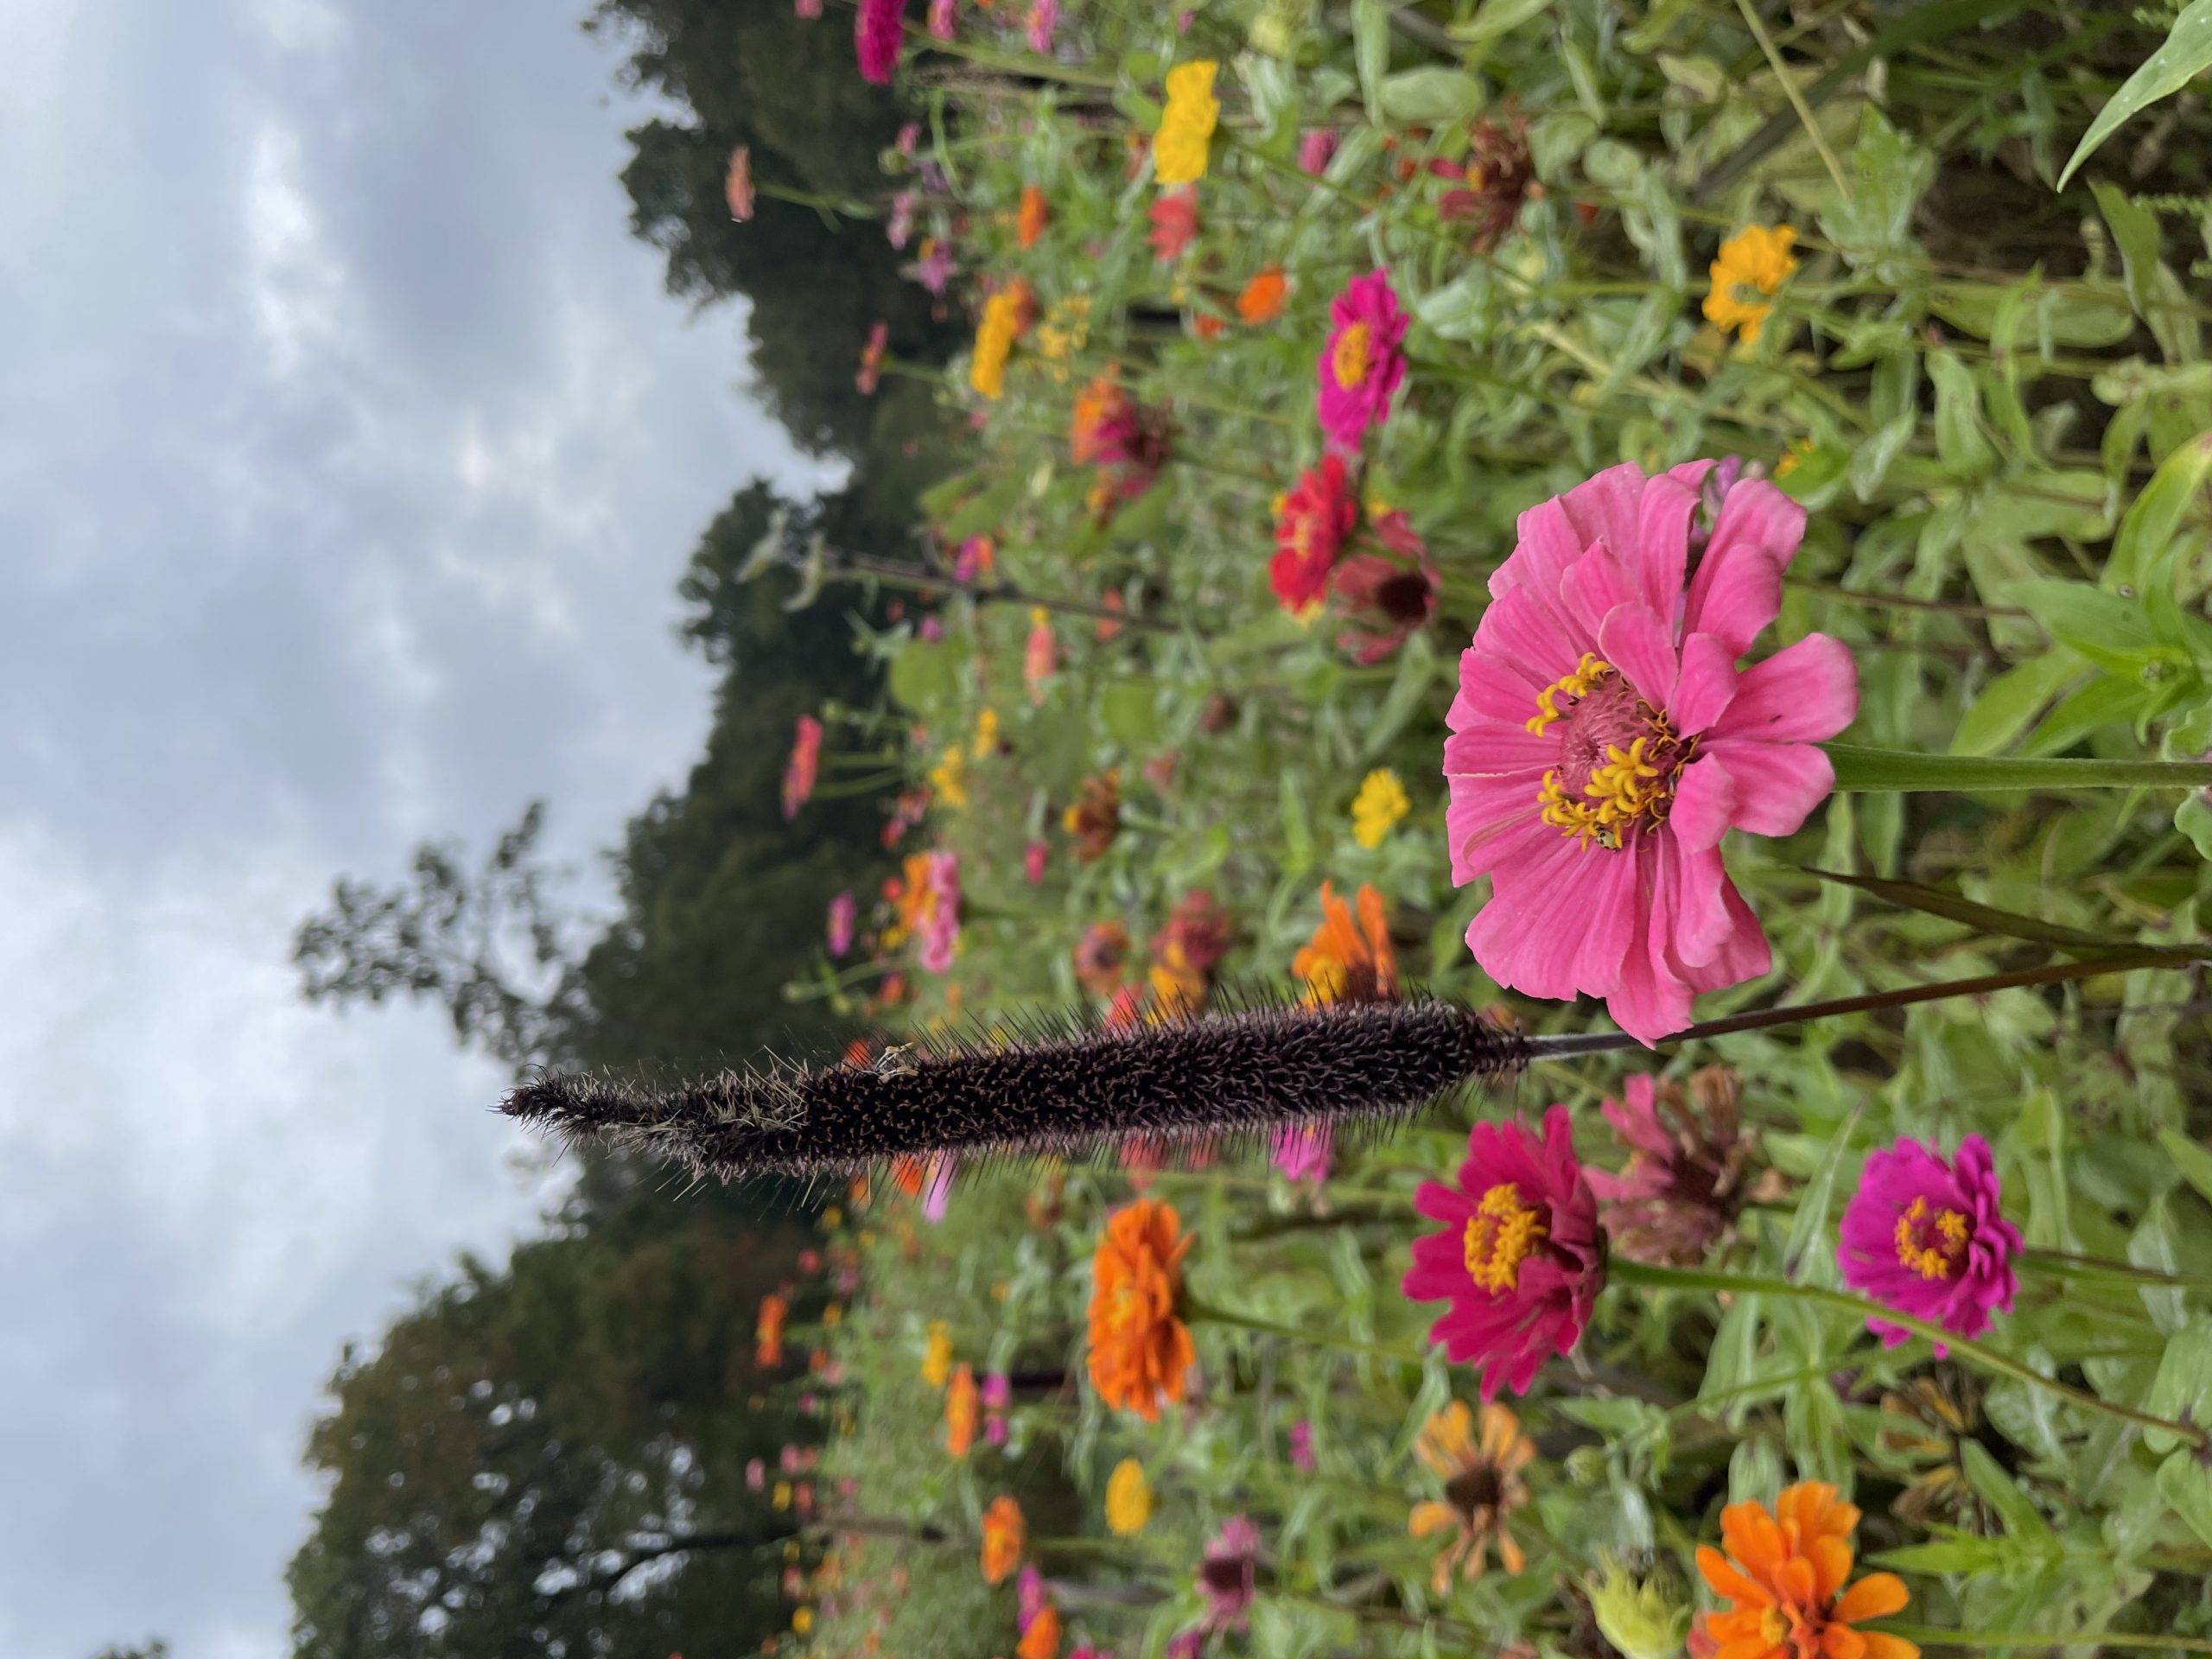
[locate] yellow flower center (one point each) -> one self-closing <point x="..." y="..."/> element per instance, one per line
<point x="1933" y="1246"/>
<point x="1500" y="1235"/>
<point x="1618" y="756"/>
<point x="1349" y="362"/>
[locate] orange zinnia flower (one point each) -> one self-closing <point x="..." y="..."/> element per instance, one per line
<point x="1343" y="963"/>
<point x="768" y="1332"/>
<point x="1004" y="1534"/>
<point x="961" y="1400"/>
<point x="1206" y="326"/>
<point x="1030" y="224"/>
<point x="1783" y="1570"/>
<point x="1140" y="1350"/>
<point x="1262" y="300"/>
<point x="1482" y="1487"/>
<point x="1042" y="1639"/>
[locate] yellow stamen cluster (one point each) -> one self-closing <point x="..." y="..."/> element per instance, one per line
<point x="1627" y="787"/>
<point x="1500" y="1235"/>
<point x="1349" y="362"/>
<point x="1573" y="686"/>
<point x="1936" y="1261"/>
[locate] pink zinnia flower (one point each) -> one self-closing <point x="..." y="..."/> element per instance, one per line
<point x="1315" y="148"/>
<point x="1923" y="1236"/>
<point x="933" y="629"/>
<point x="901" y="225"/>
<point x="936" y="1185"/>
<point x="1302" y="1152"/>
<point x="941" y="19"/>
<point x="1228" y="1575"/>
<point x="1040" y="655"/>
<point x="998" y="1394"/>
<point x="973" y="559"/>
<point x="940" y="920"/>
<point x="806" y="762"/>
<point x="1044" y="18"/>
<point x="909" y="136"/>
<point x="1520" y="1259"/>
<point x="933" y="270"/>
<point x="879" y="33"/>
<point x="1029" y="1597"/>
<point x="807" y="7"/>
<point x="1301" y="1447"/>
<point x="871" y="369"/>
<point x="756" y="1475"/>
<point x="1605" y="741"/>
<point x="1388" y="596"/>
<point x="1363" y="367"/>
<point x="843" y="912"/>
<point x="1174" y="215"/>
<point x="1032" y="862"/>
<point x="1683" y="1185"/>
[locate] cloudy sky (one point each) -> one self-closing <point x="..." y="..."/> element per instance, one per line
<point x="348" y="454"/>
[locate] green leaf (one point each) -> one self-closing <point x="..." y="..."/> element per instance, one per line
<point x="1931" y="901"/>
<point x="2008" y="705"/>
<point x="2111" y="631"/>
<point x="2190" y="1159"/>
<point x="1813" y="1203"/>
<point x="2186" y="55"/>
<point x="1370" y="51"/>
<point x="2144" y="546"/>
<point x="2023" y="1520"/>
<point x="2187" y="1485"/>
<point x="925" y="674"/>
<point x="2152" y="290"/>
<point x="1432" y="96"/>
<point x="1962" y="1553"/>
<point x="1495" y="17"/>
<point x="2184" y="1383"/>
<point x="1961" y="442"/>
<point x="1888" y="174"/>
<point x="1128" y="709"/>
<point x="1297" y="826"/>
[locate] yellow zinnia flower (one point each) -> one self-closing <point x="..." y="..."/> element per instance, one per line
<point x="994" y="337"/>
<point x="987" y="733"/>
<point x="1753" y="265"/>
<point x="803" y="1619"/>
<point x="1178" y="149"/>
<point x="949" y="779"/>
<point x="1381" y="802"/>
<point x="937" y="1358"/>
<point x="1128" y="1499"/>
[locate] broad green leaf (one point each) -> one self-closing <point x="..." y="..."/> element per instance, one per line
<point x="1961" y="1553"/>
<point x="2008" y="705"/>
<point x="2142" y="549"/>
<point x="1888" y="174"/>
<point x="1495" y="17"/>
<point x="1431" y="97"/>
<point x="2070" y="314"/>
<point x="2111" y="631"/>
<point x="1811" y="1220"/>
<point x="1961" y="442"/>
<point x="1128" y="710"/>
<point x="2152" y="288"/>
<point x="2194" y="1162"/>
<point x="2184" y="1385"/>
<point x="924" y="675"/>
<point x="1371" y="52"/>
<point x="2186" y="53"/>
<point x="2187" y="1485"/>
<point x="2023" y="1520"/>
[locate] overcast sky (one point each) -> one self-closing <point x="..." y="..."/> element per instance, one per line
<point x="349" y="451"/>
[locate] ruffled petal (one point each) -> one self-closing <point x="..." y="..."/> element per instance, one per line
<point x="1777" y="785"/>
<point x="1805" y="693"/>
<point x="1634" y="640"/>
<point x="1705" y="687"/>
<point x="1876" y="1595"/>
<point x="1736" y="591"/>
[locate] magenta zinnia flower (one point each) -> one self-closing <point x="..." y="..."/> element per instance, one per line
<point x="1301" y="1447"/>
<point x="1302" y="1152"/>
<point x="806" y="762"/>
<point x="1044" y="18"/>
<point x="843" y="912"/>
<point x="1923" y="1236"/>
<point x="1032" y="862"/>
<point x="1520" y="1258"/>
<point x="1315" y="147"/>
<point x="1362" y="367"/>
<point x="940" y="919"/>
<point x="878" y="32"/>
<point x="1604" y="742"/>
<point x="901" y="225"/>
<point x="941" y="19"/>
<point x="1229" y="1574"/>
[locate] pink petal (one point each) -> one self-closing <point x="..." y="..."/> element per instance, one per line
<point x="1593" y="585"/>
<point x="1803" y="693"/>
<point x="1701" y="922"/>
<point x="1493" y="688"/>
<point x="1777" y="785"/>
<point x="1706" y="687"/>
<point x="1662" y="541"/>
<point x="1635" y="641"/>
<point x="1492" y="751"/>
<point x="1522" y="937"/>
<point x="1738" y="589"/>
<point x="1522" y="629"/>
<point x="1704" y="804"/>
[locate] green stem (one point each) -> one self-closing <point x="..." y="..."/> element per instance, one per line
<point x="2059" y="1261"/>
<point x="1857" y="768"/>
<point x="1973" y="1353"/>
<point x="1928" y="1636"/>
<point x="1290" y="1333"/>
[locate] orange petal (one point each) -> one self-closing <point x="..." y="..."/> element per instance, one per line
<point x="1756" y="1647"/>
<point x="1879" y="1646"/>
<point x="1726" y="1581"/>
<point x="1841" y="1642"/>
<point x="1831" y="1560"/>
<point x="1876" y="1595"/>
<point x="1752" y="1538"/>
<point x="1427" y="1517"/>
<point x="1798" y="1581"/>
<point x="1509" y="1552"/>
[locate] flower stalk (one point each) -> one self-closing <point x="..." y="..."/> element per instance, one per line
<point x="1900" y="770"/>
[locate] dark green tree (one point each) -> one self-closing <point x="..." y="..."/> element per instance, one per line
<point x="549" y="1460"/>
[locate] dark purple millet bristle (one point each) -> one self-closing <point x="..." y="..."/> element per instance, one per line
<point x="1233" y="1074"/>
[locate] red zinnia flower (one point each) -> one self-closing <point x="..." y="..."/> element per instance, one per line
<point x="1388" y="595"/>
<point x="1175" y="216"/>
<point x="1520" y="1259"/>
<point x="1311" y="524"/>
<point x="799" y="771"/>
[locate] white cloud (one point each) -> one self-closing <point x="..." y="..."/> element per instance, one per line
<point x="294" y="285"/>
